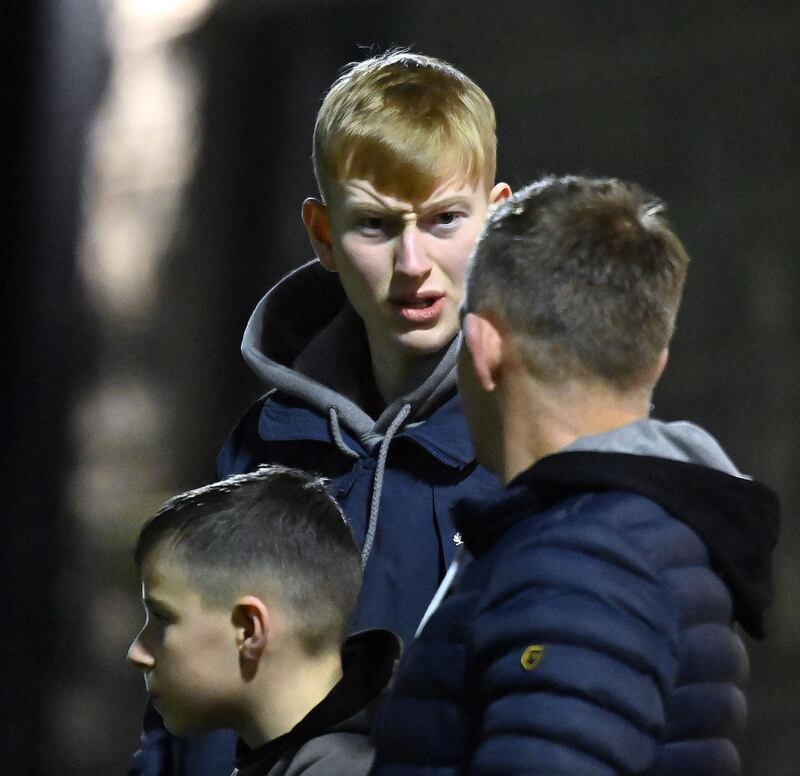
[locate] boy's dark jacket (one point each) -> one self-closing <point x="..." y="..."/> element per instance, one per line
<point x="395" y="477"/>
<point x="591" y="632"/>
<point x="333" y="738"/>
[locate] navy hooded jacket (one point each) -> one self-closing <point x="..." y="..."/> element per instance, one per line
<point x="591" y="632"/>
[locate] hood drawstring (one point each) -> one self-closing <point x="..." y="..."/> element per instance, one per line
<point x="336" y="433"/>
<point x="377" y="485"/>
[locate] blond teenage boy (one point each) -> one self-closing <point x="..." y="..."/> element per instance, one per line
<point x="357" y="348"/>
<point x="248" y="585"/>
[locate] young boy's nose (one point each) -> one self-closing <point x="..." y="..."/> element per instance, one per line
<point x="138" y="656"/>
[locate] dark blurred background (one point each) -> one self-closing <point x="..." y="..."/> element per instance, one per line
<point x="155" y="160"/>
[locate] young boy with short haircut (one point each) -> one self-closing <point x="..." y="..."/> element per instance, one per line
<point x="249" y="585"/>
<point x="358" y="348"/>
<point x="590" y="630"/>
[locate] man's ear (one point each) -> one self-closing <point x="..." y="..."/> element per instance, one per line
<point x="252" y="623"/>
<point x="661" y="365"/>
<point x="485" y="344"/>
<point x="315" y="218"/>
<point x="499" y="192"/>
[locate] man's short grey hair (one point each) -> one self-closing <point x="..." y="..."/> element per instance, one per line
<point x="587" y="276"/>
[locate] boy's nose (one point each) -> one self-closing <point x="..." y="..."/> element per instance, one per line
<point x="138" y="656"/>
<point x="411" y="258"/>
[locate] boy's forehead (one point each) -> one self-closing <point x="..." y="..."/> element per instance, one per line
<point x="161" y="567"/>
<point x="360" y="192"/>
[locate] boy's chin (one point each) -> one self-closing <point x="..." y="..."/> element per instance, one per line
<point x="426" y="342"/>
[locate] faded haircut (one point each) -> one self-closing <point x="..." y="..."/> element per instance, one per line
<point x="407" y="123"/>
<point x="275" y="529"/>
<point x="586" y="274"/>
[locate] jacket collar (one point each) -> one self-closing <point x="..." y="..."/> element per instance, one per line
<point x="737" y="518"/>
<point x="444" y="434"/>
<point x="317" y="352"/>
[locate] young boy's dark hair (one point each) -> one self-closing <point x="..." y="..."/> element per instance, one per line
<point x="276" y="527"/>
<point x="249" y="584"/>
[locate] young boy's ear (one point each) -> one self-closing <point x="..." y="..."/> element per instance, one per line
<point x="251" y="620"/>
<point x="315" y="218"/>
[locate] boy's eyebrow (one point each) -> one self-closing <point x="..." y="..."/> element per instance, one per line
<point x="153" y="603"/>
<point x="373" y="207"/>
<point x="370" y="203"/>
<point x="447" y="202"/>
<point x="362" y="197"/>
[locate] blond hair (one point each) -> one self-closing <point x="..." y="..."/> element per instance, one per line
<point x="406" y="123"/>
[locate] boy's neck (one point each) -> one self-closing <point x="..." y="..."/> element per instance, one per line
<point x="288" y="690"/>
<point x="397" y="375"/>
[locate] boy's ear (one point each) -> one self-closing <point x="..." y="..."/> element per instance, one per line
<point x="316" y="220"/>
<point x="499" y="192"/>
<point x="485" y="343"/>
<point x="252" y="622"/>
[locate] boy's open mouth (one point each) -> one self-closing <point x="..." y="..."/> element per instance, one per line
<point x="419" y="309"/>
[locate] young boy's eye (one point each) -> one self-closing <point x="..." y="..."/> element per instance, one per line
<point x="159" y="618"/>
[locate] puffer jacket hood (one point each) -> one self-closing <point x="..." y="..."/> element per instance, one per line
<point x="306" y="340"/>
<point x="677" y="465"/>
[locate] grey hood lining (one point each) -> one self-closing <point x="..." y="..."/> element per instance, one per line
<point x="677" y="441"/>
<point x="305" y="340"/>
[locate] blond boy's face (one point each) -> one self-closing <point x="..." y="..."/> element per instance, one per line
<point x="402" y="262"/>
<point x="187" y="651"/>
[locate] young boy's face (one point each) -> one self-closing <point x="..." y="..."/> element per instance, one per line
<point x="187" y="650"/>
<point x="402" y="262"/>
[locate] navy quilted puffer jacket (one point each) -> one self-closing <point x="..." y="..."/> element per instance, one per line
<point x="591" y="631"/>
